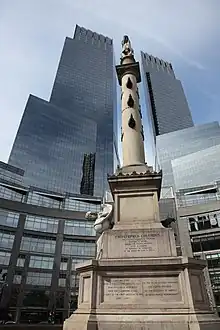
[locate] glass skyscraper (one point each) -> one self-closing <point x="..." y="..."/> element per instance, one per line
<point x="69" y="143"/>
<point x="184" y="152"/>
<point x="166" y="101"/>
<point x="198" y="168"/>
<point x="189" y="157"/>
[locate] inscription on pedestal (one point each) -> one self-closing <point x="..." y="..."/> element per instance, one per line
<point x="158" y="289"/>
<point x="139" y="242"/>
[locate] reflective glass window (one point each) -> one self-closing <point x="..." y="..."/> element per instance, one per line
<point x="9" y="218"/>
<point x="41" y="224"/>
<point x="38" y="244"/>
<point x="41" y="262"/>
<point x="42" y="279"/>
<point x="9" y="193"/>
<point x="78" y="205"/>
<point x="43" y="200"/>
<point x="6" y="240"/>
<point x="74" y="281"/>
<point x="63" y="266"/>
<point x="79" y="227"/>
<point x="185" y="154"/>
<point x="11" y="173"/>
<point x="20" y="262"/>
<point x="72" y="248"/>
<point x="4" y="258"/>
<point x="77" y="261"/>
<point x="62" y="282"/>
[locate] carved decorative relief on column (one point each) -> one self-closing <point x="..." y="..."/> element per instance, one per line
<point x="129" y="83"/>
<point x="130" y="102"/>
<point x="131" y="122"/>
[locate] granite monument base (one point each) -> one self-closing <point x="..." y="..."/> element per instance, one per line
<point x="143" y="294"/>
<point x="137" y="281"/>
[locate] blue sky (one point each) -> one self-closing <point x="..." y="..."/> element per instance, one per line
<point x="32" y="33"/>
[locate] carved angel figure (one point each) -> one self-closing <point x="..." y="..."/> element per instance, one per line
<point x="103" y="219"/>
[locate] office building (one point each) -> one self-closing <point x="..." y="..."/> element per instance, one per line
<point x="166" y="102"/>
<point x="199" y="209"/>
<point x="198" y="168"/>
<point x="43" y="235"/>
<point x="69" y="142"/>
<point x="189" y="157"/>
<point x="183" y="151"/>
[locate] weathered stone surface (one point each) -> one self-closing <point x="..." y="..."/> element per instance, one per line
<point x="147" y="293"/>
<point x="155" y="290"/>
<point x="138" y="243"/>
<point x="141" y="322"/>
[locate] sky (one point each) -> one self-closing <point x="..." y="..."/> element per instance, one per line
<point x="32" y="33"/>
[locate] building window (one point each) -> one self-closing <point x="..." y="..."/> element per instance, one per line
<point x="63" y="266"/>
<point x="215" y="279"/>
<point x="74" y="283"/>
<point x="36" y="298"/>
<point x="37" y="244"/>
<point x="41" y="262"/>
<point x="77" y="227"/>
<point x="79" y="205"/>
<point x="41" y="279"/>
<point x="9" y="219"/>
<point x="6" y="240"/>
<point x="10" y="193"/>
<point x="62" y="282"/>
<point x="43" y="200"/>
<point x="74" y="248"/>
<point x="20" y="262"/>
<point x="41" y="224"/>
<point x="205" y="221"/>
<point x="77" y="261"/>
<point x="208" y="243"/>
<point x="194" y="199"/>
<point x="213" y="260"/>
<point x="10" y="173"/>
<point x="4" y="258"/>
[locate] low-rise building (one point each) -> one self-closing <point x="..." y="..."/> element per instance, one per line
<point x="43" y="235"/>
<point x="199" y="209"/>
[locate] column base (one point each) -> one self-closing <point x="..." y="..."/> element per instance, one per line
<point x="169" y="321"/>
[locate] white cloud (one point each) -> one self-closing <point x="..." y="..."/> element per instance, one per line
<point x="32" y="35"/>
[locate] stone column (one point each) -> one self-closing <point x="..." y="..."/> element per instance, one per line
<point x="132" y="131"/>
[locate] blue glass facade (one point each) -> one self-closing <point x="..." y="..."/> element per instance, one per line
<point x="11" y="173"/>
<point x="43" y="235"/>
<point x="67" y="144"/>
<point x="194" y="144"/>
<point x="166" y="101"/>
<point x="198" y="168"/>
<point x="50" y="145"/>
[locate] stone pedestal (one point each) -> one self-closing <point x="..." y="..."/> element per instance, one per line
<point x="139" y="282"/>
